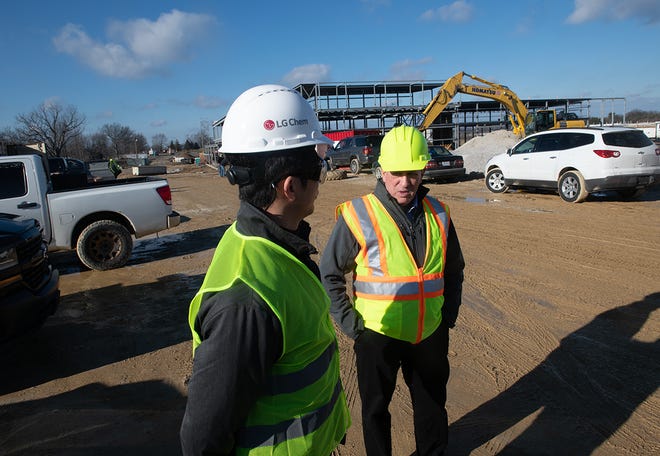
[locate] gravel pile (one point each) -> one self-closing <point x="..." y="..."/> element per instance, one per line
<point x="477" y="151"/>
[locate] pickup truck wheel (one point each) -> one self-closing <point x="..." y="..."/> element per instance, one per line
<point x="378" y="172"/>
<point x="571" y="187"/>
<point x="104" y="245"/>
<point x="355" y="166"/>
<point x="495" y="181"/>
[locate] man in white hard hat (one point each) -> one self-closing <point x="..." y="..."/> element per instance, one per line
<point x="401" y="247"/>
<point x="265" y="374"/>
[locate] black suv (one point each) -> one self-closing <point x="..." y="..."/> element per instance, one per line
<point x="357" y="152"/>
<point x="66" y="173"/>
<point x="29" y="286"/>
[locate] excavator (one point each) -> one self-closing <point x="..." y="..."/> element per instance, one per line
<point x="522" y="121"/>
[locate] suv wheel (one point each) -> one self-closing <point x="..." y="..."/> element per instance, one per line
<point x="571" y="187"/>
<point x="495" y="181"/>
<point x="378" y="171"/>
<point x="355" y="166"/>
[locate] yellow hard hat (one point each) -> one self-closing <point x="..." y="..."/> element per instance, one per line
<point x="403" y="148"/>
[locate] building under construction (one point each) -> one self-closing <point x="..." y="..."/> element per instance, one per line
<point x="375" y="107"/>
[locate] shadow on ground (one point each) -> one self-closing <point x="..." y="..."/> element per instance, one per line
<point x="97" y="327"/>
<point x="577" y="397"/>
<point x="133" y="419"/>
<point x="151" y="249"/>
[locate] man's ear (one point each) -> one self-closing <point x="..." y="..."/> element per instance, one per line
<point x="289" y="187"/>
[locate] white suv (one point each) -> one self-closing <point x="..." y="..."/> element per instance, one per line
<point x="578" y="161"/>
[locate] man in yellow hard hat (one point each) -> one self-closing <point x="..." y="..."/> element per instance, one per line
<point x="402" y="249"/>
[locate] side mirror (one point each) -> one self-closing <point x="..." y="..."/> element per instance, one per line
<point x="509" y="151"/>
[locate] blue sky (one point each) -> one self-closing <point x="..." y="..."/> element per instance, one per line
<point x="172" y="67"/>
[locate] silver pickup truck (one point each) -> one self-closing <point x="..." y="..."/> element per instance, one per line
<point x="97" y="220"/>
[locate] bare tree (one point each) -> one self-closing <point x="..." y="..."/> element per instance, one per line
<point x="158" y="142"/>
<point x="141" y="144"/>
<point x="52" y="124"/>
<point x="99" y="146"/>
<point x="77" y="148"/>
<point x="9" y="136"/>
<point x="201" y="138"/>
<point x="122" y="138"/>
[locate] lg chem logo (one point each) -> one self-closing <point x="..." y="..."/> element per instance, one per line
<point x="291" y="122"/>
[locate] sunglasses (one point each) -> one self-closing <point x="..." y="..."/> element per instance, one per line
<point x="315" y="174"/>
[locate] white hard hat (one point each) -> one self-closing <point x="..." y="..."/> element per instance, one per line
<point x="268" y="118"/>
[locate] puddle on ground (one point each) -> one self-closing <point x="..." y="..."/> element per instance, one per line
<point x="473" y="199"/>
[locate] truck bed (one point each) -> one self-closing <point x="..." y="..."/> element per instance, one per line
<point x="108" y="183"/>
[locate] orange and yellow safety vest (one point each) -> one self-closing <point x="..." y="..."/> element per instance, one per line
<point x="393" y="295"/>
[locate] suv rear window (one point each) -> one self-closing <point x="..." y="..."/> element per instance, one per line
<point x="369" y="141"/>
<point x="374" y="141"/>
<point x="633" y="138"/>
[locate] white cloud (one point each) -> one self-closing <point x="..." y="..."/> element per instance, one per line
<point x="139" y="47"/>
<point x="315" y="72"/>
<point x="459" y="11"/>
<point x="647" y="11"/>
<point x="104" y="115"/>
<point x="409" y="70"/>
<point x="205" y="102"/>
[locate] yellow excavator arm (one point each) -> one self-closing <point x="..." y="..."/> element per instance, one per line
<point x="516" y="109"/>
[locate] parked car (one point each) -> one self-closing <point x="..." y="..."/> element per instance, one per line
<point x="98" y="221"/>
<point x="443" y="165"/>
<point x="356" y="152"/>
<point x="29" y="286"/>
<point x="578" y="161"/>
<point x="68" y="173"/>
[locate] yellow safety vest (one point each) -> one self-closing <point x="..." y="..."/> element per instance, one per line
<point x="394" y="296"/>
<point x="303" y="411"/>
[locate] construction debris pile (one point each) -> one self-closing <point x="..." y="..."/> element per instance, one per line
<point x="478" y="150"/>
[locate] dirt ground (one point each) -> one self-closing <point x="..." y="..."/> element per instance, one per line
<point x="555" y="350"/>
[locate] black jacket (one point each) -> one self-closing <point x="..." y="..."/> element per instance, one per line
<point x="338" y="259"/>
<point x="241" y="340"/>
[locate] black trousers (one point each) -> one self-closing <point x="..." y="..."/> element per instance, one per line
<point x="426" y="371"/>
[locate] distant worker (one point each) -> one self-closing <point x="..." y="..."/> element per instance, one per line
<point x="114" y="167"/>
<point x="265" y="376"/>
<point x="407" y="267"/>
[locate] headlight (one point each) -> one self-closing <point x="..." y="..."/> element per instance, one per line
<point x="8" y="258"/>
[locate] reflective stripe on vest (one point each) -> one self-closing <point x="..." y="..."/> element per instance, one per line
<point x="276" y="434"/>
<point x="393" y="295"/>
<point x="289" y="383"/>
<point x="303" y="408"/>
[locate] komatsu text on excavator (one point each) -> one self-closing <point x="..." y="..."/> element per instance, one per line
<point x="522" y="121"/>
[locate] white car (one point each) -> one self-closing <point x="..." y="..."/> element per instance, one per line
<point x="578" y="161"/>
